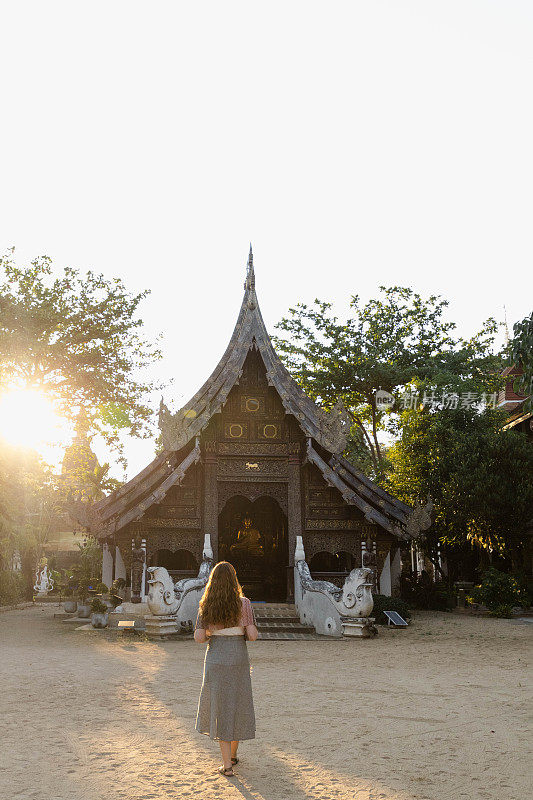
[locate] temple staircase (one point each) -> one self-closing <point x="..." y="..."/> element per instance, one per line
<point x="281" y="621"/>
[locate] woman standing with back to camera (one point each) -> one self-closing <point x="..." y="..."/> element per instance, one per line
<point x="225" y="708"/>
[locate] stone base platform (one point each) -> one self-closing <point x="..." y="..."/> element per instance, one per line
<point x="359" y="626"/>
<point x="160" y="627"/>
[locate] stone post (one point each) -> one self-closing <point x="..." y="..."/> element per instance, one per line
<point x="211" y="495"/>
<point x="143" y="579"/>
<point x="208" y="550"/>
<point x="138" y="566"/>
<point x="299" y="553"/>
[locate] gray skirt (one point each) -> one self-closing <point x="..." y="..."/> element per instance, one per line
<point x="226" y="707"/>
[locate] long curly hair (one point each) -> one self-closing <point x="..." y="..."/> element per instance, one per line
<point x="221" y="602"/>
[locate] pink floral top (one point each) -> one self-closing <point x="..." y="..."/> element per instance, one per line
<point x="247" y="618"/>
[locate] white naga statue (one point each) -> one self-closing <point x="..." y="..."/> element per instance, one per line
<point x="44" y="582"/>
<point x="332" y="610"/>
<point x="179" y="599"/>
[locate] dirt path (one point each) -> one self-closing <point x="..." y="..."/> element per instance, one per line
<point x="437" y="712"/>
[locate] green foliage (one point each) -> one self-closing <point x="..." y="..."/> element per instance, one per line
<point x="525" y="583"/>
<point x="82" y="589"/>
<point x="101" y="588"/>
<point x="98" y="607"/>
<point x="503" y="610"/>
<point x="86" y="572"/>
<point x="478" y="476"/>
<point x="77" y="338"/>
<point x="12" y="587"/>
<point x="499" y="592"/>
<point x="29" y="506"/>
<point x="384" y="603"/>
<point x="392" y="343"/>
<point x="117" y="586"/>
<point x="422" y="592"/>
<point x="83" y="478"/>
<point x="56" y="577"/>
<point x="522" y="354"/>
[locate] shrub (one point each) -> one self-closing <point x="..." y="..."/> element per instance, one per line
<point x="12" y="587"/>
<point x="384" y="603"/>
<point x="498" y="591"/>
<point x="57" y="578"/>
<point x="98" y="607"/>
<point x="525" y="583"/>
<point x="502" y="611"/>
<point x="421" y="592"/>
<point x="117" y="585"/>
<point x="82" y="590"/>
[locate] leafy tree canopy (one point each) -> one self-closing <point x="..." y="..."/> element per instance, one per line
<point x="77" y="338"/>
<point x="29" y="504"/>
<point x="478" y="476"/>
<point x="396" y="342"/>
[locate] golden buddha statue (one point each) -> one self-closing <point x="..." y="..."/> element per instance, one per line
<point x="248" y="540"/>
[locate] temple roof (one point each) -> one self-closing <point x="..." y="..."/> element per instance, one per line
<point x="326" y="434"/>
<point x="329" y="429"/>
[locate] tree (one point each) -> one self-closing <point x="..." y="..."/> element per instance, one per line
<point x="478" y="476"/>
<point x="29" y="506"/>
<point x="77" y="338"/>
<point x="394" y="343"/>
<point x="522" y="353"/>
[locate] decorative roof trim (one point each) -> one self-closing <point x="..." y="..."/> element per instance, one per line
<point x="89" y="516"/>
<point x="368" y="488"/>
<point x="329" y="429"/>
<point x="352" y="497"/>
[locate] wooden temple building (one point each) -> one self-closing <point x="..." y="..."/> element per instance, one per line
<point x="520" y="417"/>
<point x="254" y="462"/>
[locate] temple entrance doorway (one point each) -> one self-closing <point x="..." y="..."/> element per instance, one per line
<point x="253" y="537"/>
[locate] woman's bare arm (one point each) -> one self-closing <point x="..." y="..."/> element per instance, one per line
<point x="250" y="627"/>
<point x="251" y="633"/>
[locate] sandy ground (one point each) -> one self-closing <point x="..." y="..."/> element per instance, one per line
<point x="434" y="712"/>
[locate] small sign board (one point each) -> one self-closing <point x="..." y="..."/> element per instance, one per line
<point x="126" y="623"/>
<point x="394" y="617"/>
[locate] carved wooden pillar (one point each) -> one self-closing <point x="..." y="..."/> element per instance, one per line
<point x="211" y="495"/>
<point x="294" y="511"/>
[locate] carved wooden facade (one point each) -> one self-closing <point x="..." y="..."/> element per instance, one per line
<point x="251" y="432"/>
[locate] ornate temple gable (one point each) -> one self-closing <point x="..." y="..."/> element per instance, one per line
<point x="181" y="504"/>
<point x="253" y="410"/>
<point x="250" y="334"/>
<point x="105" y="519"/>
<point x="325" y="507"/>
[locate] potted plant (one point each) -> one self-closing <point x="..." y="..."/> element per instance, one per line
<point x="102" y="592"/>
<point x="84" y="609"/>
<point x="99" y="613"/>
<point x="70" y="605"/>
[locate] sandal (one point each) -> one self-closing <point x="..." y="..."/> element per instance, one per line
<point x="226" y="771"/>
<point x="234" y="761"/>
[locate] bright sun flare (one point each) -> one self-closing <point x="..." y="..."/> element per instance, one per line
<point x="28" y="419"/>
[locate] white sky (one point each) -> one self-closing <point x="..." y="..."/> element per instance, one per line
<point x="355" y="143"/>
